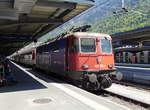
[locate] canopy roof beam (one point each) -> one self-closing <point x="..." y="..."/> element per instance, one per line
<point x="56" y="4"/>
<point x="9" y="14"/>
<point x="31" y="20"/>
<point x="6" y="4"/>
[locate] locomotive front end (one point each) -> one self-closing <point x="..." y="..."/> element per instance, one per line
<point x="94" y="60"/>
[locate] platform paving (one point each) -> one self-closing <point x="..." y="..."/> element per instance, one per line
<point x="34" y="92"/>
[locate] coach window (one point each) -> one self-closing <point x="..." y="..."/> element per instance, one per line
<point x="40" y="49"/>
<point x="55" y="48"/>
<point x="46" y="48"/>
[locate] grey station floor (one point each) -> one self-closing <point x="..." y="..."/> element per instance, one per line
<point x="35" y="92"/>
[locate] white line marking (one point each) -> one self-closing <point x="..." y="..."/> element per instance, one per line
<point x="81" y="98"/>
<point x="34" y="77"/>
<point x="133" y="68"/>
<point x="77" y="96"/>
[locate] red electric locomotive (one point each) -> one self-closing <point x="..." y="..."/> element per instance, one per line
<point x="85" y="58"/>
<point x="90" y="60"/>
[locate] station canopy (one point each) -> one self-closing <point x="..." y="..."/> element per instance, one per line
<point x="22" y="21"/>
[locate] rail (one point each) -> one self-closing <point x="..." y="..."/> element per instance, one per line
<point x="128" y="93"/>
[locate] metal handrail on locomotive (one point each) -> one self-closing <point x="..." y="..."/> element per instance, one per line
<point x="85" y="58"/>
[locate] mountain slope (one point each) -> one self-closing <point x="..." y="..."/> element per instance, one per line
<point x="138" y="16"/>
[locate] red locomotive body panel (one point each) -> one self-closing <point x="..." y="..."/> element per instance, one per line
<point x="96" y="60"/>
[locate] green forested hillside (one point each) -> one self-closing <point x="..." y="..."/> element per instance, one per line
<point x="138" y="16"/>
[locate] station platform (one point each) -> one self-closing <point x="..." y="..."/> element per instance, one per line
<point x="133" y="65"/>
<point x="35" y="92"/>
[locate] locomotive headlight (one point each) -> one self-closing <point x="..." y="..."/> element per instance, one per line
<point x="85" y="66"/>
<point x="110" y="65"/>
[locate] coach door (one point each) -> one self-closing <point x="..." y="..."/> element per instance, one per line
<point x="148" y="57"/>
<point x="117" y="57"/>
<point x="142" y="57"/>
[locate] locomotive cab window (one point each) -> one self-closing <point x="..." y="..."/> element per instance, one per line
<point x="88" y="45"/>
<point x="105" y="46"/>
<point x="55" y="47"/>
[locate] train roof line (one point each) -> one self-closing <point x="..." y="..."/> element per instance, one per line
<point x="88" y="34"/>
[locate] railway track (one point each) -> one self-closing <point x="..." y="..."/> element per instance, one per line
<point x="138" y="86"/>
<point x="127" y="99"/>
<point x="130" y="95"/>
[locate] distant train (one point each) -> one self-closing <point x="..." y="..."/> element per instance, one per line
<point x="85" y="58"/>
<point x="139" y="59"/>
<point x="142" y="57"/>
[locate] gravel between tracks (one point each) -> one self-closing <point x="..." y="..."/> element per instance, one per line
<point x="126" y="103"/>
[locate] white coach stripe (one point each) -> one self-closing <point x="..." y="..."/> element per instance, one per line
<point x="77" y="96"/>
<point x="140" y="68"/>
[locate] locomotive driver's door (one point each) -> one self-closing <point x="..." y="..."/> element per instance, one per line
<point x="107" y="59"/>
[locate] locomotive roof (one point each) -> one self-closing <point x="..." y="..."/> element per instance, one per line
<point x="90" y="34"/>
<point x="81" y="34"/>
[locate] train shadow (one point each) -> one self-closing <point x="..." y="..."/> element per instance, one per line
<point x="49" y="77"/>
<point x="54" y="78"/>
<point x="102" y="93"/>
<point x="25" y="82"/>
